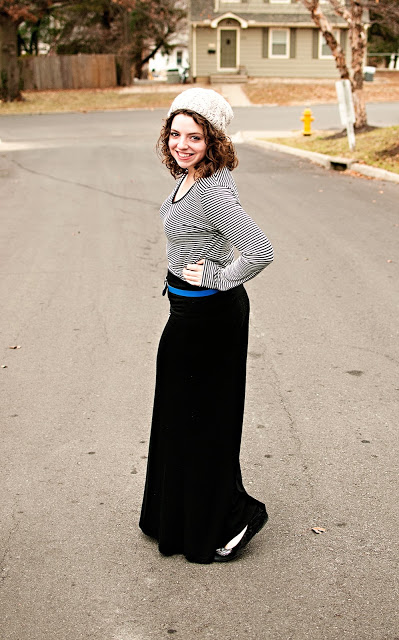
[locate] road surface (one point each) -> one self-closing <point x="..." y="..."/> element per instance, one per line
<point x="82" y="265"/>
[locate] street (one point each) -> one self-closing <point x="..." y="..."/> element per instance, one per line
<point x="82" y="268"/>
<point x="70" y="127"/>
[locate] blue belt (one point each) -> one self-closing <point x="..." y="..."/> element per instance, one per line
<point x="192" y="294"/>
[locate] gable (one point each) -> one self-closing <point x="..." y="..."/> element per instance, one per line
<point x="252" y="14"/>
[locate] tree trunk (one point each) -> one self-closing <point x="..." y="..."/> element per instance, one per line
<point x="126" y="63"/>
<point x="357" y="37"/>
<point x="9" y="69"/>
<point x="125" y="70"/>
<point x="326" y="28"/>
<point x="137" y="60"/>
<point x="360" y="108"/>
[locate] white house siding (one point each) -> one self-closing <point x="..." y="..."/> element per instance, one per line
<point x="251" y="58"/>
<point x="161" y="62"/>
<point x="206" y="62"/>
<point x="302" y="66"/>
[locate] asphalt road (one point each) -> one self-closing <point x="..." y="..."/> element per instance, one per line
<point x="70" y="128"/>
<point x="82" y="263"/>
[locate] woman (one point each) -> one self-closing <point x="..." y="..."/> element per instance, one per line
<point x="194" y="500"/>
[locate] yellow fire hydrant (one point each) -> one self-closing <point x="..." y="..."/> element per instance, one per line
<point x="307" y="120"/>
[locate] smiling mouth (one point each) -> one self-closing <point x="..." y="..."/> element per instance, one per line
<point x="184" y="156"/>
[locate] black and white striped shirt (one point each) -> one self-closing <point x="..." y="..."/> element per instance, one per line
<point x="207" y="223"/>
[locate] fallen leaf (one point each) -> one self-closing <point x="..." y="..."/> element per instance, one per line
<point x="15" y="346"/>
<point x="4" y="366"/>
<point x="356" y="174"/>
<point x="318" y="530"/>
<point x="389" y="260"/>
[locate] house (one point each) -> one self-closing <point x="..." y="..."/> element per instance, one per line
<point x="233" y="39"/>
<point x="177" y="58"/>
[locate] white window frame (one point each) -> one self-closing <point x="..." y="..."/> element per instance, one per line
<point x="237" y="30"/>
<point x="337" y="34"/>
<point x="287" y="53"/>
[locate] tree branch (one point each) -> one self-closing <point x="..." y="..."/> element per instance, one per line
<point x="325" y="27"/>
<point x="341" y="10"/>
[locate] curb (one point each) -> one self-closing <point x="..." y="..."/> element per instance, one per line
<point x="375" y="172"/>
<point x="328" y="162"/>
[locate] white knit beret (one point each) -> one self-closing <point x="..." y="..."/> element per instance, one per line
<point x="207" y="103"/>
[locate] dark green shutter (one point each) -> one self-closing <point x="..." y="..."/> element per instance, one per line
<point x="344" y="39"/>
<point x="265" y="42"/>
<point x="292" y="43"/>
<point x="315" y="35"/>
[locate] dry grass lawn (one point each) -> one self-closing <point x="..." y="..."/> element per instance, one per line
<point x="87" y="100"/>
<point x="275" y="91"/>
<point x="385" y="88"/>
<point x="379" y="147"/>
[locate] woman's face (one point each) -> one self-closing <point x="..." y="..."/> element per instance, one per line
<point x="186" y="142"/>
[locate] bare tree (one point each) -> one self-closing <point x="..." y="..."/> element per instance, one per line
<point x="133" y="29"/>
<point x="354" y="15"/>
<point x="12" y="14"/>
<point x="9" y="72"/>
<point x="141" y="29"/>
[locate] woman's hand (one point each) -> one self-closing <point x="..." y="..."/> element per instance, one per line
<point x="193" y="273"/>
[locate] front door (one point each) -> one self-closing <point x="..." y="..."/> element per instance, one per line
<point x="228" y="48"/>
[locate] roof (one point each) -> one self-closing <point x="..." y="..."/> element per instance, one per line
<point x="203" y="11"/>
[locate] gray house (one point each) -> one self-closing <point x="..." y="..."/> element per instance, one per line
<point x="234" y="39"/>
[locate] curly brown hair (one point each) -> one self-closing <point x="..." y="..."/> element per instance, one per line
<point x="219" y="153"/>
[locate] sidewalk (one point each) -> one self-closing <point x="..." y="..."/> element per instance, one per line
<point x="233" y="93"/>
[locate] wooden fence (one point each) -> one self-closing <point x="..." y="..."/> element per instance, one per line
<point x="80" y="71"/>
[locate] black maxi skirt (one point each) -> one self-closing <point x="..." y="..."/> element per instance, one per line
<point x="194" y="500"/>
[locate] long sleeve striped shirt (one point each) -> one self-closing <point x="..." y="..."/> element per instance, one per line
<point x="207" y="223"/>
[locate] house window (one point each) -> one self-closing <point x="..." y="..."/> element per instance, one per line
<point x="279" y="43"/>
<point x="179" y="58"/>
<point x="324" y="49"/>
